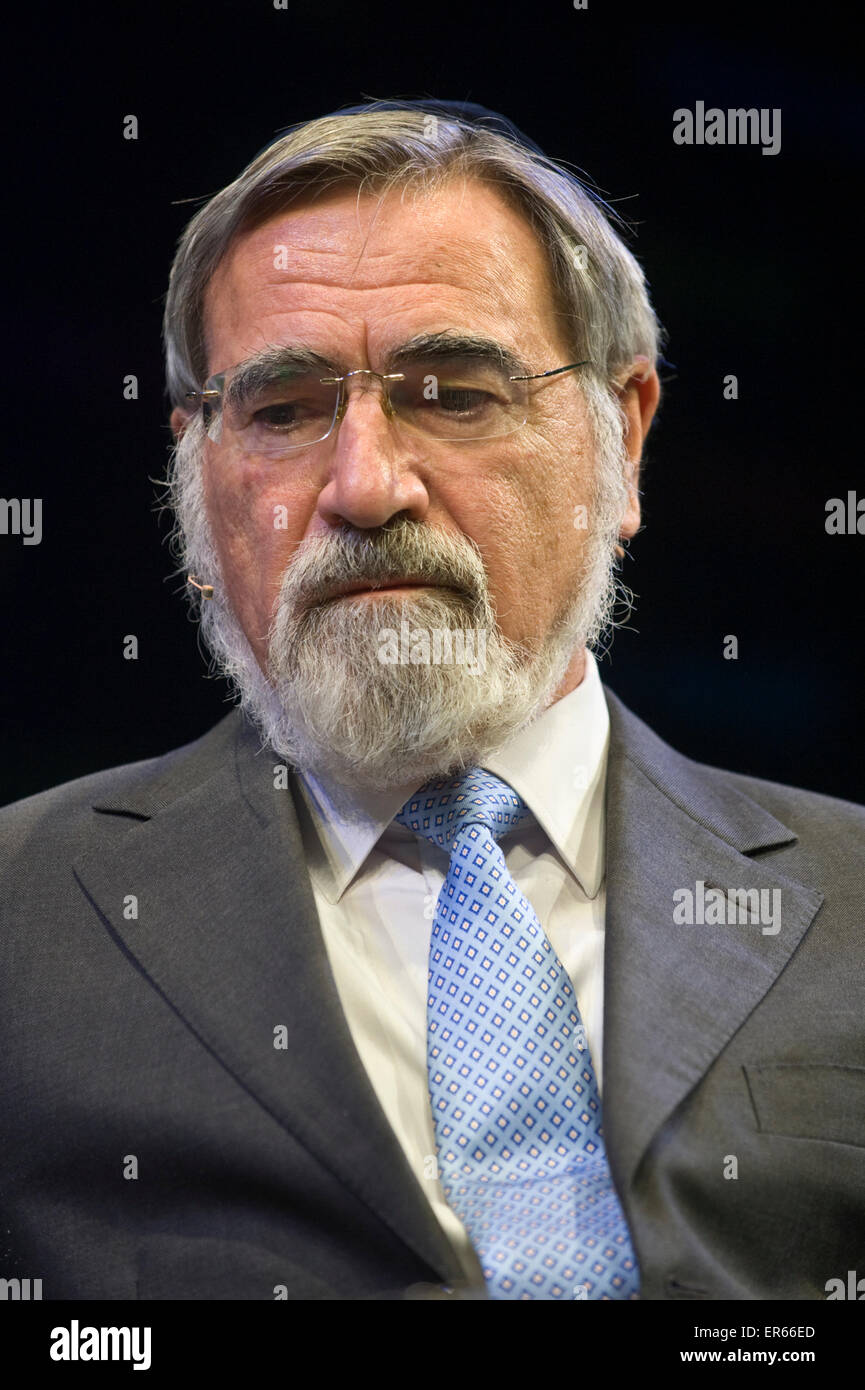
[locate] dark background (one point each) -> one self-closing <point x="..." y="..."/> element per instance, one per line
<point x="754" y="263"/>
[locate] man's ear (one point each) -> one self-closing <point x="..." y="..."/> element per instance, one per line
<point x="179" y="420"/>
<point x="638" y="397"/>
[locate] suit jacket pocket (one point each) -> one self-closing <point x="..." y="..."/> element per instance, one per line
<point x="809" y="1101"/>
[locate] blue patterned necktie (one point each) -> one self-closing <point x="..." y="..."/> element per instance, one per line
<point x="513" y="1092"/>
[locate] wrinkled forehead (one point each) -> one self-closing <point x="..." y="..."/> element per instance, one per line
<point x="463" y="247"/>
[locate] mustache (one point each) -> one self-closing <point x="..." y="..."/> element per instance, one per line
<point x="390" y="553"/>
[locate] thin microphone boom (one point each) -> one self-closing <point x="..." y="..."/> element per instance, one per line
<point x="206" y="590"/>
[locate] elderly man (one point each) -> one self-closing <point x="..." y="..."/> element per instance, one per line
<point x="430" y="971"/>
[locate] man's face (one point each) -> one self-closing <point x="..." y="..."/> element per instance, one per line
<point x="353" y="277"/>
<point x="361" y="278"/>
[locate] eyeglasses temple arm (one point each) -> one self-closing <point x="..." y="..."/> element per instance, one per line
<point x="554" y="372"/>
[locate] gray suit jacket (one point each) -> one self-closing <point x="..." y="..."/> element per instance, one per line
<point x="158" y="925"/>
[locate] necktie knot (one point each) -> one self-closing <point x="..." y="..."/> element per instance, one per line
<point x="443" y="807"/>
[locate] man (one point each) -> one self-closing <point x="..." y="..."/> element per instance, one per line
<point x="285" y="1020"/>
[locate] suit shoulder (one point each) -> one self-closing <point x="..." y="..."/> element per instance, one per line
<point x="745" y="810"/>
<point x="829" y="830"/>
<point x="62" y="815"/>
<point x="790" y="802"/>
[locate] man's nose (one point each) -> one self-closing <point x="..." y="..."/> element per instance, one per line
<point x="375" y="468"/>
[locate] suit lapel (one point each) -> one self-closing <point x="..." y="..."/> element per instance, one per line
<point x="227" y="931"/>
<point x="675" y="994"/>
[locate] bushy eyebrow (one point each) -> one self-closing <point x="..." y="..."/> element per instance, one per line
<point x="267" y="366"/>
<point x="453" y="344"/>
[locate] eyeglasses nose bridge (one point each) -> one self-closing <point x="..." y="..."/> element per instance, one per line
<point x="384" y="377"/>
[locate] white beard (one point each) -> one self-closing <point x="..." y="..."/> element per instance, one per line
<point x="329" y="704"/>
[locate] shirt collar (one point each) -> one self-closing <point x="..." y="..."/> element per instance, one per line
<point x="557" y="765"/>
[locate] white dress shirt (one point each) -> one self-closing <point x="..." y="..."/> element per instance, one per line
<point x="376" y="884"/>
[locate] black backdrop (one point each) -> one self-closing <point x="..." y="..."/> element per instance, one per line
<point x="754" y="262"/>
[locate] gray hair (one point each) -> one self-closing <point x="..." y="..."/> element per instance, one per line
<point x="599" y="285"/>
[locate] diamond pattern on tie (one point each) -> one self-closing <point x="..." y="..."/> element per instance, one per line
<point x="514" y="1097"/>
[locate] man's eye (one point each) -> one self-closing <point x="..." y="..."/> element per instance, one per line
<point x="277" y="417"/>
<point x="459" y="400"/>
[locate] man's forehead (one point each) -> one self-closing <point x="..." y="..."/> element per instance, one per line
<point x="464" y="238"/>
